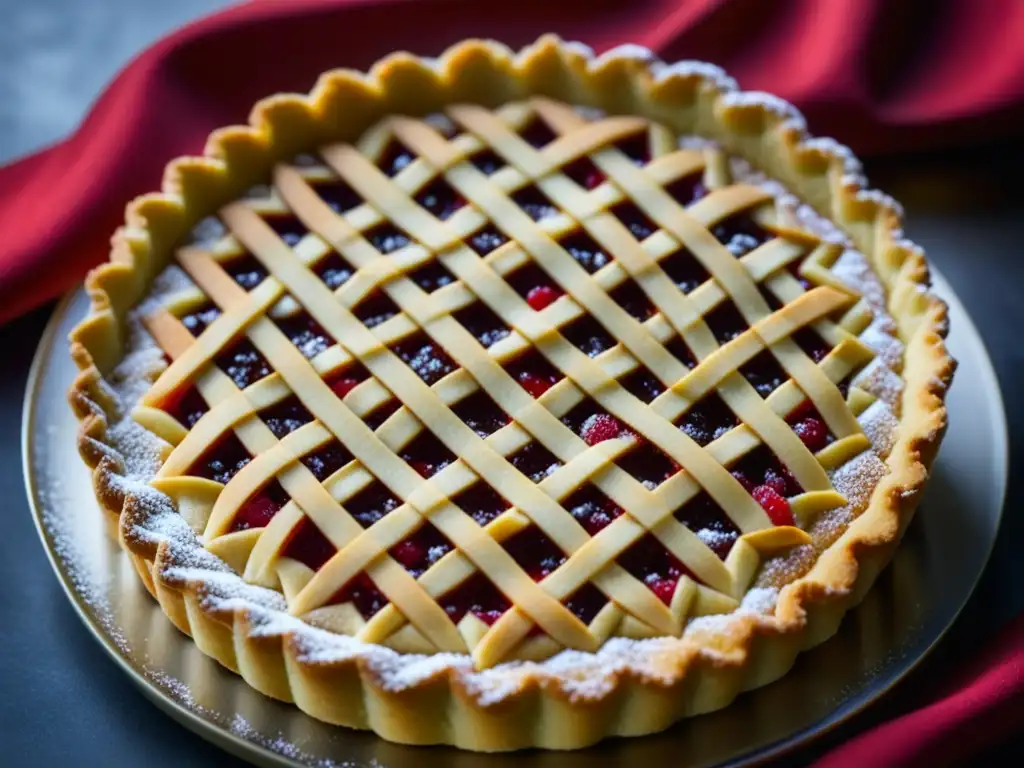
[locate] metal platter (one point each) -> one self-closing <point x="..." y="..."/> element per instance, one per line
<point x="914" y="602"/>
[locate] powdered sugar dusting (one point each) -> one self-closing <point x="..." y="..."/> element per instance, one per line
<point x="701" y="69"/>
<point x="878" y="379"/>
<point x="768" y="101"/>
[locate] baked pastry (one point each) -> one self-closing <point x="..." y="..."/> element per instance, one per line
<point x="511" y="400"/>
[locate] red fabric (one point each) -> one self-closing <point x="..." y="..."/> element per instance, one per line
<point x="880" y="76"/>
<point x="980" y="708"/>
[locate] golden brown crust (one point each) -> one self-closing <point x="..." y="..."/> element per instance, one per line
<point x="702" y="674"/>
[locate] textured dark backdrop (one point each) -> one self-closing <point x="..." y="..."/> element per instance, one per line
<point x="62" y="701"/>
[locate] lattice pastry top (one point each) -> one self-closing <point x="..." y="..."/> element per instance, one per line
<point x="506" y="382"/>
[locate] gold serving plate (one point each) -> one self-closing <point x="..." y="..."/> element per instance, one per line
<point x="914" y="602"/>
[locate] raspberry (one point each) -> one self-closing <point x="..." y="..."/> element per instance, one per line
<point x="664" y="589"/>
<point x="594" y="179"/>
<point x="343" y="386"/>
<point x="775" y="481"/>
<point x="541" y="296"/>
<point x="600" y="427"/>
<point x="813" y="432"/>
<point x="534" y="384"/>
<point x="409" y="553"/>
<point x="256" y="512"/>
<point x="774" y="504"/>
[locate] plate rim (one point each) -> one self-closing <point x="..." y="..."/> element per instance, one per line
<point x="259" y="754"/>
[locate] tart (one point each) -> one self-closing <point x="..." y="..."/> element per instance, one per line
<point x="511" y="399"/>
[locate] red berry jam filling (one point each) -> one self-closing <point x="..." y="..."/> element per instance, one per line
<point x="222" y="460"/>
<point x="259" y="508"/>
<point x="636" y="148"/>
<point x="592" y="509"/>
<point x="371" y="504"/>
<point x="334" y="270"/>
<point x="534" y="203"/>
<point x="376" y="308"/>
<point x="687" y="190"/>
<point x="286" y="416"/>
<point x="648" y="464"/>
<point x="631" y="298"/>
<point x="740" y="234"/>
<point x="586" y="602"/>
<point x="812" y="344"/>
<point x="288" y="228"/>
<point x="537" y="134"/>
<point x="338" y="195"/>
<point x="585" y="173"/>
<point x="487" y="162"/>
<point x="246" y="270"/>
<point x="762" y="467"/>
<point x="681" y="352"/>
<point x="528" y="278"/>
<point x="707" y="420"/>
<point x="309" y="546"/>
<point x="186" y="405"/>
<point x="387" y="238"/>
<point x="481" y="502"/>
<point x="636" y="221"/>
<point x="588" y="336"/>
<point x="649" y="561"/>
<point x="535" y="552"/>
<point x="344" y="381"/>
<point x="363" y="594"/>
<point x="535" y="461"/>
<point x="426" y="454"/>
<point x="764" y="373"/>
<point x="432" y="276"/>
<point x="705" y="518"/>
<point x="327" y="460"/>
<point x="642" y="384"/>
<point x="585" y="251"/>
<point x="395" y="158"/>
<point x="534" y="374"/>
<point x="480" y="321"/>
<point x="478" y="596"/>
<point x="440" y="199"/>
<point x="726" y="322"/>
<point x="244" y="364"/>
<point x="197" y="321"/>
<point x="421" y="550"/>
<point x="305" y="333"/>
<point x="486" y="240"/>
<point x="425" y="357"/>
<point x="480" y="413"/>
<point x="684" y="270"/>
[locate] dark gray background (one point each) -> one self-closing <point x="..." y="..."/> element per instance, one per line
<point x="62" y="701"/>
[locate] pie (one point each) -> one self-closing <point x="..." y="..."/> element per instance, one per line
<point x="512" y="399"/>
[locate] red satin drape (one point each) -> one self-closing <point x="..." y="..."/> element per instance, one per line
<point x="879" y="75"/>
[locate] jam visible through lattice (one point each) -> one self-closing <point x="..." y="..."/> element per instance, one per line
<point x="760" y="472"/>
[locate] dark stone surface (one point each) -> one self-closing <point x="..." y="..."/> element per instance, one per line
<point x="62" y="701"/>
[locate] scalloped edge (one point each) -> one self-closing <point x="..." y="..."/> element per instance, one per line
<point x="691" y="97"/>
